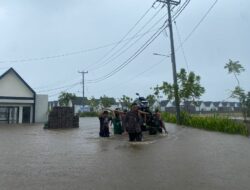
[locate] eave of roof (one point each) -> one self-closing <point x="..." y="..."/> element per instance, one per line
<point x="23" y="81"/>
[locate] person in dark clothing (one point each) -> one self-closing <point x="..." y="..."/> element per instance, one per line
<point x="160" y="123"/>
<point x="104" y="124"/>
<point x="133" y="124"/>
<point x="157" y="126"/>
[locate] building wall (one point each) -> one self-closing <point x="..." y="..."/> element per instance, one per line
<point x="41" y="109"/>
<point x="12" y="86"/>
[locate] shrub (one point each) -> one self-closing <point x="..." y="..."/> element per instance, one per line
<point x="212" y="123"/>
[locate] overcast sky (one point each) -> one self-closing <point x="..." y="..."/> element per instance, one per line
<point x="32" y="30"/>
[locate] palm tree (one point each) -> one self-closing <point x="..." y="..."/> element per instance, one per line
<point x="235" y="68"/>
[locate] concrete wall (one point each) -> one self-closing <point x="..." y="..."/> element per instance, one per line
<point x="12" y="86"/>
<point x="41" y="109"/>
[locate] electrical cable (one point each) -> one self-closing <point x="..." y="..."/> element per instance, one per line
<point x="109" y="59"/>
<point x="137" y="53"/>
<point x="119" y="42"/>
<point x="58" y="88"/>
<point x="131" y="45"/>
<point x="182" y="48"/>
<point x="76" y="52"/>
<point x="129" y="60"/>
<point x="198" y="24"/>
<point x="136" y="76"/>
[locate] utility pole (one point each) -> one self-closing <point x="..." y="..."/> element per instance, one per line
<point x="176" y="88"/>
<point x="83" y="74"/>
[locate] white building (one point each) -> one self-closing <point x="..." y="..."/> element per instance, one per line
<point x="19" y="103"/>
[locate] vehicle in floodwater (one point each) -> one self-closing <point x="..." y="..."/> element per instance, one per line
<point x="150" y="122"/>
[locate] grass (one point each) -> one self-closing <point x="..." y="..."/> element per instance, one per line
<point x="211" y="123"/>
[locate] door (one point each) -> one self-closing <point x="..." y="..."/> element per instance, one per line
<point x="4" y="114"/>
<point x="26" y="115"/>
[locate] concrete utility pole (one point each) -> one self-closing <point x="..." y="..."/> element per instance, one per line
<point x="176" y="88"/>
<point x="83" y="73"/>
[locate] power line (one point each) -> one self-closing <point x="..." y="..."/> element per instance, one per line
<point x="181" y="8"/>
<point x="56" y="56"/>
<point x="131" y="58"/>
<point x="55" y="84"/>
<point x="137" y="75"/>
<point x="182" y="48"/>
<point x="110" y="59"/>
<point x="80" y="51"/>
<point x="198" y="24"/>
<point x="137" y="53"/>
<point x="58" y="88"/>
<point x="112" y="55"/>
<point x="130" y="30"/>
<point x="126" y="62"/>
<point x="67" y="54"/>
<point x="56" y="94"/>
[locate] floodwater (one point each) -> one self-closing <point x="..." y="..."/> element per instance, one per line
<point x="32" y="158"/>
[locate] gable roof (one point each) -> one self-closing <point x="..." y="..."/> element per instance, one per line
<point x="208" y="103"/>
<point x="19" y="77"/>
<point x="164" y="103"/>
<point x="216" y="104"/>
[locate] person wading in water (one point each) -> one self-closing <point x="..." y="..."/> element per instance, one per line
<point x="117" y="123"/>
<point x="105" y="121"/>
<point x="133" y="124"/>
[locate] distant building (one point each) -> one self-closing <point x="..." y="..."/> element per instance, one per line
<point x="19" y="103"/>
<point x="78" y="105"/>
<point x="201" y="106"/>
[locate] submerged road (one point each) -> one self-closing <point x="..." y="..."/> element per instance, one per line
<point x="32" y="159"/>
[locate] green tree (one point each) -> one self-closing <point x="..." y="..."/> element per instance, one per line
<point x="126" y="101"/>
<point x="189" y="85"/>
<point x="248" y="104"/>
<point x="238" y="93"/>
<point x="65" y="97"/>
<point x="107" y="101"/>
<point x="151" y="100"/>
<point x="244" y="99"/>
<point x="235" y="68"/>
<point x="94" y="103"/>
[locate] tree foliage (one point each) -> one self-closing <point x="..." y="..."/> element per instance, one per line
<point x="94" y="103"/>
<point x="126" y="101"/>
<point x="234" y="67"/>
<point x="238" y="93"/>
<point x="189" y="86"/>
<point x="151" y="100"/>
<point x="107" y="101"/>
<point x="65" y="97"/>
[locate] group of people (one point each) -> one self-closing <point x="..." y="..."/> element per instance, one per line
<point x="129" y="122"/>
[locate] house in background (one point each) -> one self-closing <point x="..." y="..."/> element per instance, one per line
<point x="78" y="105"/>
<point x="207" y="106"/>
<point x="19" y="103"/>
<point x="53" y="104"/>
<point x="202" y="106"/>
<point x="163" y="105"/>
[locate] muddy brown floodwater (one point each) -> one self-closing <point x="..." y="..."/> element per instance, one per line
<point x="32" y="158"/>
